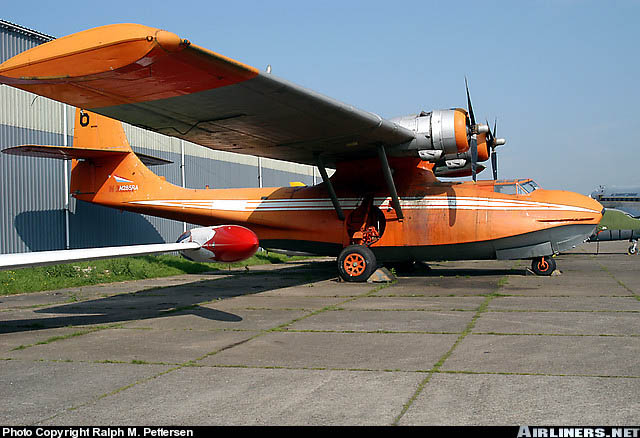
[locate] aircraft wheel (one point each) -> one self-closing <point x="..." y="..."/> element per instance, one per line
<point x="543" y="265"/>
<point x="633" y="250"/>
<point x="356" y="263"/>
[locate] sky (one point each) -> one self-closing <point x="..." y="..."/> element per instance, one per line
<point x="559" y="76"/>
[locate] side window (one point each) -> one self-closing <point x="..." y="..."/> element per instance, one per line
<point x="507" y="189"/>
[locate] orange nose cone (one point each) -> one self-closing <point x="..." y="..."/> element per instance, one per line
<point x="483" y="148"/>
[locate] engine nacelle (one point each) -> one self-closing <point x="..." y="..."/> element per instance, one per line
<point x="223" y="243"/>
<point x="440" y="130"/>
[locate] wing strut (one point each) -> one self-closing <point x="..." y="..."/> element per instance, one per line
<point x="330" y="189"/>
<point x="388" y="177"/>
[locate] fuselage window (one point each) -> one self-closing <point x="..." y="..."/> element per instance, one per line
<point x="507" y="189"/>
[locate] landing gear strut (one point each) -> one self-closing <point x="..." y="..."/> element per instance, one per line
<point x="356" y="263"/>
<point x="633" y="249"/>
<point x="543" y="265"/>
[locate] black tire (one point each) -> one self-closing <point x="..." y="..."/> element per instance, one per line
<point x="633" y="250"/>
<point x="543" y="265"/>
<point x="356" y="263"/>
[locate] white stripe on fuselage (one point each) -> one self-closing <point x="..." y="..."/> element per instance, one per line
<point x="426" y="203"/>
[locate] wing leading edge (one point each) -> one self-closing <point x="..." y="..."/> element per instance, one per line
<point x="154" y="79"/>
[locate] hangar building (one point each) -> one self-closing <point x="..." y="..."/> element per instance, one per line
<point x="37" y="214"/>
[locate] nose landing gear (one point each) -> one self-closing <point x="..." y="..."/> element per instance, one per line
<point x="543" y="265"/>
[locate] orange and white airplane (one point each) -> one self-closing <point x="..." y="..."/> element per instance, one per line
<point x="383" y="204"/>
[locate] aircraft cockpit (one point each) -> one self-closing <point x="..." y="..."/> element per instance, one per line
<point x="515" y="186"/>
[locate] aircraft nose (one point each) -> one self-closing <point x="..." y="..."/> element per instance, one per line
<point x="592" y="204"/>
<point x="576" y="208"/>
<point x="589" y="205"/>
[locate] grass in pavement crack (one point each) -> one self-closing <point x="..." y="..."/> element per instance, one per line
<point x="70" y="335"/>
<point x="436" y="368"/>
<point x="284" y="326"/>
<point x="624" y="286"/>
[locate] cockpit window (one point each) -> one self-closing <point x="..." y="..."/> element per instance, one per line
<point x="514" y="187"/>
<point x="529" y="186"/>
<point x="507" y="189"/>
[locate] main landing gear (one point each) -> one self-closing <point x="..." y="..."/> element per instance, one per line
<point x="633" y="249"/>
<point x="543" y="265"/>
<point x="356" y="263"/>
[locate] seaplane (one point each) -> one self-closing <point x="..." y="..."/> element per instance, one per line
<point x="384" y="203"/>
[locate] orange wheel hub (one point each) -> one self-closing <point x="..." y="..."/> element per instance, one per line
<point x="543" y="265"/>
<point x="354" y="265"/>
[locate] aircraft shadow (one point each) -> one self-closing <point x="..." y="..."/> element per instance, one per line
<point x="423" y="270"/>
<point x="166" y="301"/>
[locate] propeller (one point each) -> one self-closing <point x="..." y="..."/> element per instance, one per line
<point x="493" y="142"/>
<point x="475" y="129"/>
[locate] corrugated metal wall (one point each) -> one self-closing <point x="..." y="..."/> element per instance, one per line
<point x="32" y="190"/>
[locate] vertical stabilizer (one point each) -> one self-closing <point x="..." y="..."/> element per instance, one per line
<point x="93" y="131"/>
<point x="116" y="175"/>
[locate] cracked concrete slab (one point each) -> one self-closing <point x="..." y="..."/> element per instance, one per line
<point x="125" y="345"/>
<point x="495" y="400"/>
<point x="361" y="351"/>
<point x="560" y="323"/>
<point x="37" y="391"/>
<point x="236" y="396"/>
<point x="386" y="320"/>
<point x="547" y="354"/>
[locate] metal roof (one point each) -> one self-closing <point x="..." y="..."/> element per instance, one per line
<point x="25" y="31"/>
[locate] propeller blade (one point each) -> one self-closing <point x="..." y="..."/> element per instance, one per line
<point x="494" y="155"/>
<point x="470" y="108"/>
<point x="494" y="164"/>
<point x="474" y="143"/>
<point x="474" y="158"/>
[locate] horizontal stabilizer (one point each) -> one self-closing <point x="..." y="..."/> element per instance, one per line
<point x="69" y="153"/>
<point x="62" y="152"/>
<point x="42" y="258"/>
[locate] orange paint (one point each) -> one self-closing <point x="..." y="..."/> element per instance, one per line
<point x="483" y="148"/>
<point x="460" y="126"/>
<point x="119" y="64"/>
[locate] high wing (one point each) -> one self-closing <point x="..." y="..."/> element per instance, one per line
<point x="156" y="80"/>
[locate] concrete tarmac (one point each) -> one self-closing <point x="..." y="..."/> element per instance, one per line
<point x="464" y="343"/>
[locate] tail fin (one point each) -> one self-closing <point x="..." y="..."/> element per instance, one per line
<point x="100" y="135"/>
<point x="115" y="172"/>
<point x="95" y="137"/>
<point x="96" y="132"/>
